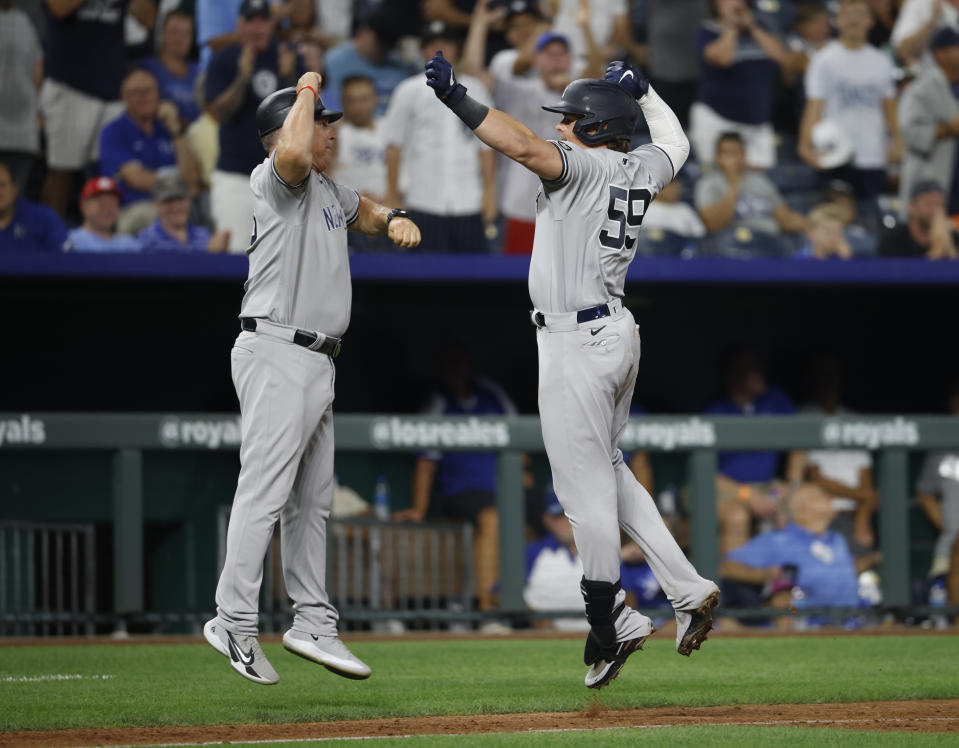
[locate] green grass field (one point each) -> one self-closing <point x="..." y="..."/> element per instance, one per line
<point x="192" y="684"/>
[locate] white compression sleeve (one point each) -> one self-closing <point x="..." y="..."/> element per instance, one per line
<point x="664" y="128"/>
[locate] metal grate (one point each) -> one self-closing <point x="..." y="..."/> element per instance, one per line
<point x="48" y="578"/>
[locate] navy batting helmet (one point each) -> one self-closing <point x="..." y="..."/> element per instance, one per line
<point x="602" y="106"/>
<point x="272" y="111"/>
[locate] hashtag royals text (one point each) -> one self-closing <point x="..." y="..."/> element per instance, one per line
<point x="26" y="430"/>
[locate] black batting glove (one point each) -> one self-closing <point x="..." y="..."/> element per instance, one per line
<point x="439" y="77"/>
<point x="628" y="77"/>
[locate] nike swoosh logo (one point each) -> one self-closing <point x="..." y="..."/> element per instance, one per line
<point x="627" y="74"/>
<point x="315" y="637"/>
<point x="630" y="242"/>
<point x="236" y="654"/>
<point x="597" y="330"/>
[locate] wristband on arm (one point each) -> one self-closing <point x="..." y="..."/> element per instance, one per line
<point x="466" y="108"/>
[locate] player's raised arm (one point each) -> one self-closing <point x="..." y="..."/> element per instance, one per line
<point x="294" y="145"/>
<point x="497" y="129"/>
<point x="664" y="128"/>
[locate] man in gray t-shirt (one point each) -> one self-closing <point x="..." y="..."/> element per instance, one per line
<point x="731" y="196"/>
<point x="938" y="496"/>
<point x="593" y="192"/>
<point x="295" y="310"/>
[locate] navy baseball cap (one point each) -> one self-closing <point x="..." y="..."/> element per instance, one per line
<point x="548" y="37"/>
<point x="438" y="30"/>
<point x="924" y="186"/>
<point x="944" y="37"/>
<point x="253" y="8"/>
<point x="272" y="111"/>
<point x="551" y="504"/>
<point x="518" y="7"/>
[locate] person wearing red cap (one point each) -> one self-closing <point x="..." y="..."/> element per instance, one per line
<point x="100" y="205"/>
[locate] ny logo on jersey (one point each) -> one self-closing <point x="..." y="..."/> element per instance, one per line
<point x="624" y="216"/>
<point x="334" y="217"/>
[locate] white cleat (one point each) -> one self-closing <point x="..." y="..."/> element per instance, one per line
<point x="244" y="653"/>
<point x="328" y="651"/>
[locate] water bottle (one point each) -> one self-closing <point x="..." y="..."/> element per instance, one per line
<point x="381" y="499"/>
<point x="938" y="597"/>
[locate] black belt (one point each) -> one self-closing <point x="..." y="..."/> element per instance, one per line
<point x="331" y="346"/>
<point x="583" y="315"/>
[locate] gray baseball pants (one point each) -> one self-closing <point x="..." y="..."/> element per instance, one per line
<point x="286" y="473"/>
<point x="587" y="373"/>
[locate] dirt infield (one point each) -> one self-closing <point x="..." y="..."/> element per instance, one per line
<point x="940" y="716"/>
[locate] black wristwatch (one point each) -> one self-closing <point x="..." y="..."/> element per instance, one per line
<point x="396" y="213"/>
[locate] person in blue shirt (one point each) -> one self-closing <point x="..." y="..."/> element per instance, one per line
<point x="26" y="226"/>
<point x="175" y="73"/>
<point x="738" y="72"/>
<point x="746" y="483"/>
<point x="147" y="137"/>
<point x="238" y="79"/>
<point x="367" y="54"/>
<point x="172" y="229"/>
<point x="100" y="205"/>
<point x="466" y="481"/>
<point x="804" y="564"/>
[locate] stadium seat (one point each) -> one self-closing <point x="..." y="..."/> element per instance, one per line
<point x="744" y="244"/>
<point x="655" y="242"/>
<point x="794" y="177"/>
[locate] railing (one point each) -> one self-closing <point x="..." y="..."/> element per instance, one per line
<point x="889" y="436"/>
<point x="47" y="578"/>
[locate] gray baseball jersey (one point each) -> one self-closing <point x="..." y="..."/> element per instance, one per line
<point x="299" y="265"/>
<point x="587" y="222"/>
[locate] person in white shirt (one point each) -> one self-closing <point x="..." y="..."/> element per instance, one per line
<point x="608" y="22"/>
<point x="849" y="83"/>
<point x="361" y="140"/>
<point x="918" y="20"/>
<point x="524" y="24"/>
<point x="435" y="168"/>
<point x="523" y="97"/>
<point x="669" y="213"/>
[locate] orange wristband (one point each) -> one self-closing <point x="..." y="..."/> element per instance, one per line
<point x="303" y="88"/>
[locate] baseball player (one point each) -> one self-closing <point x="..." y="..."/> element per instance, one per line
<point x="592" y="196"/>
<point x="294" y="313"/>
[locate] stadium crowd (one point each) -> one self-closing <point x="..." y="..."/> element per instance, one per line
<point x="819" y="130"/>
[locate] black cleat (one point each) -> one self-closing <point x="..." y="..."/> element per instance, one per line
<point x="603" y="670"/>
<point x="692" y="627"/>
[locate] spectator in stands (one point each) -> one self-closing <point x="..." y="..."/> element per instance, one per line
<point x="805" y="554"/>
<point x="844" y="474"/>
<point x="812" y="30"/>
<point x="849" y="83"/>
<point x="21" y="71"/>
<point x="732" y="195"/>
<point x="926" y="232"/>
<point x="747" y="487"/>
<point x="100" y="205"/>
<point x="669" y="213"/>
<point x="449" y="177"/>
<point x="175" y="73"/>
<point x="918" y="20"/>
<point x="465" y="480"/>
<point x="671" y="44"/>
<point x="554" y="569"/>
<point x="238" y="79"/>
<point x="738" y="69"/>
<point x="524" y="97"/>
<point x="26" y="226"/>
<point x="84" y="68"/>
<point x="368" y="53"/>
<point x="607" y="21"/>
<point x="825" y="237"/>
<point x="361" y="141"/>
<point x="929" y="117"/>
<point x="524" y="26"/>
<point x="884" y="16"/>
<point x="938" y="496"/>
<point x="172" y="229"/>
<point x="147" y="137"/>
<point x="216" y="26"/>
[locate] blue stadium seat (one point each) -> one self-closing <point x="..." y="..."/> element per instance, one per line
<point x="655" y="242"/>
<point x="794" y="177"/>
<point x="742" y="243"/>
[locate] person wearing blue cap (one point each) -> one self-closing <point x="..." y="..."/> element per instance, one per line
<point x="929" y="116"/>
